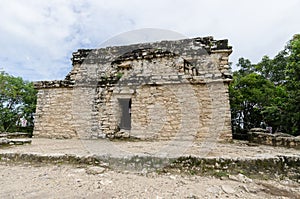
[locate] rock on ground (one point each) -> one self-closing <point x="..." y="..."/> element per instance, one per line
<point x="74" y="181"/>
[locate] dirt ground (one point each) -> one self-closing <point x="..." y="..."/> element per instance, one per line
<point x="72" y="181"/>
<point x="32" y="180"/>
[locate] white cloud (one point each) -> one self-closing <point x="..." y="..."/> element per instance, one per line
<point x="38" y="37"/>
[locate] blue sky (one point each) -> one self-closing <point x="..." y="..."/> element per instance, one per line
<point x="37" y="37"/>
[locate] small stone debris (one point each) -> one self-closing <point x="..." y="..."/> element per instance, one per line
<point x="214" y="189"/>
<point x="240" y="178"/>
<point x="228" y="189"/>
<point x="95" y="170"/>
<point x="245" y="188"/>
<point x="4" y="141"/>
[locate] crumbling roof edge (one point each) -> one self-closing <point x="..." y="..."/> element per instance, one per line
<point x="208" y="43"/>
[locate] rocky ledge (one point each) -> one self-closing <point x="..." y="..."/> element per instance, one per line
<point x="260" y="136"/>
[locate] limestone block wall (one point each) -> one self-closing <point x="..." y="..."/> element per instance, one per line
<point x="54" y="115"/>
<point x="182" y="112"/>
<point x="156" y="112"/>
<point x="215" y="116"/>
<point x="84" y="113"/>
<point x="165" y="105"/>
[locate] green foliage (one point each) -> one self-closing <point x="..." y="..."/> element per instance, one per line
<point x="119" y="75"/>
<point x="249" y="94"/>
<point x="292" y="84"/>
<point x="17" y="100"/>
<point x="268" y="92"/>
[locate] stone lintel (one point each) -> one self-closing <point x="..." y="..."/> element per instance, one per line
<point x="227" y="51"/>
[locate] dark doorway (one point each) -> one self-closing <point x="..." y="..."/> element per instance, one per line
<point x="125" y="107"/>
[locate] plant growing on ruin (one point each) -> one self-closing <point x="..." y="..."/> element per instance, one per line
<point x="119" y="75"/>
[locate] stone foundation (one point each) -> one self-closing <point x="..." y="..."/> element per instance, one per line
<point x="272" y="167"/>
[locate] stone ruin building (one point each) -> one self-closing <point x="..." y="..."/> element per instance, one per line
<point x="162" y="90"/>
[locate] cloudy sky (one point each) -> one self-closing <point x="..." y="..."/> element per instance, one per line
<point x="37" y="37"/>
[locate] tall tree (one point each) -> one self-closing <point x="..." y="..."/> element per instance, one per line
<point x="268" y="92"/>
<point x="17" y="100"/>
<point x="249" y="93"/>
<point x="292" y="85"/>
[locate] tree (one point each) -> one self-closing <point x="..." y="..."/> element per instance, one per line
<point x="268" y="92"/>
<point x="284" y="109"/>
<point x="17" y="100"/>
<point x="292" y="85"/>
<point x="249" y="94"/>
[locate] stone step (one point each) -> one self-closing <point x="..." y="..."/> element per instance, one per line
<point x="19" y="141"/>
<point x="14" y="135"/>
<point x="16" y="141"/>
